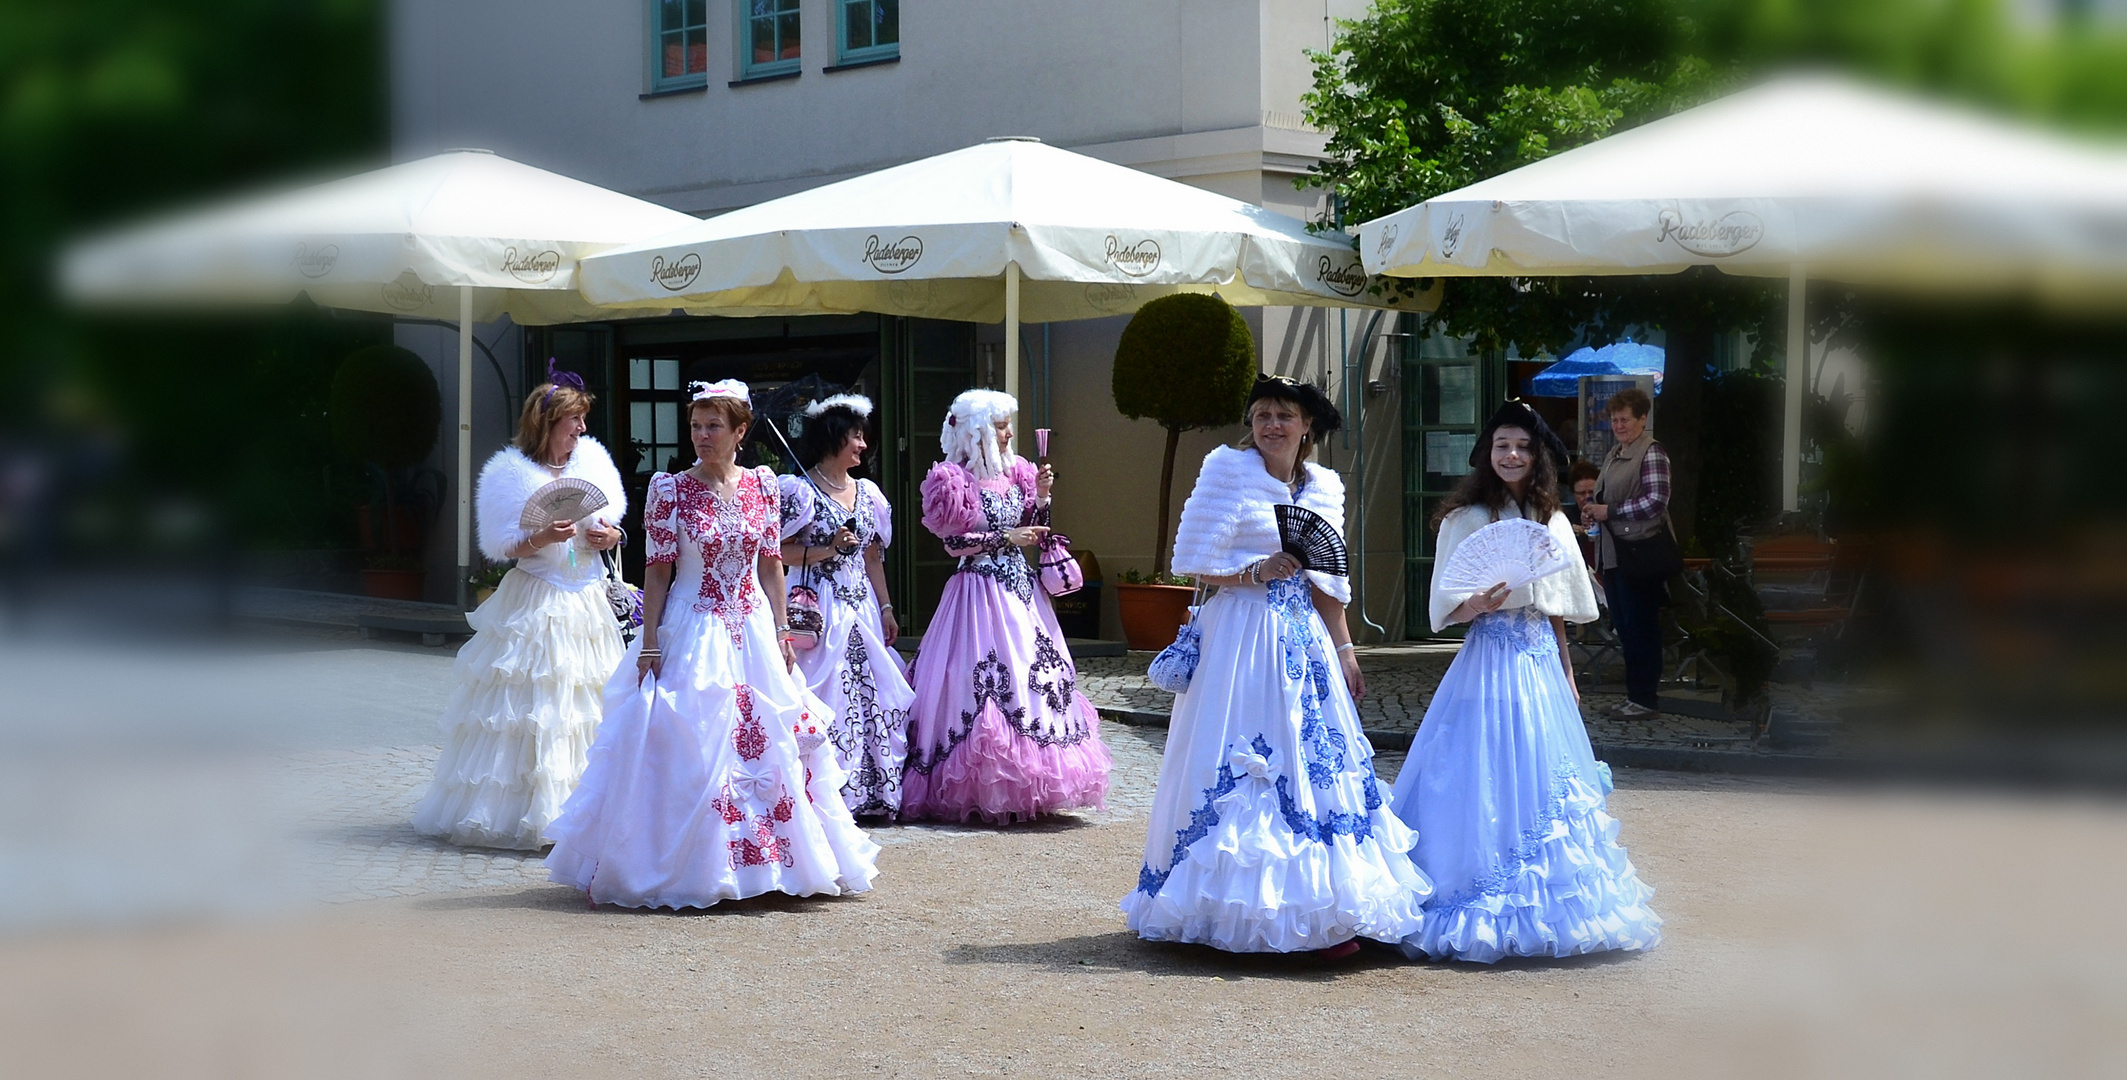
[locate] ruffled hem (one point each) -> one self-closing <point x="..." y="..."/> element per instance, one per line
<point x="1002" y="775"/>
<point x="699" y="790"/>
<point x="1567" y="889"/>
<point x="539" y="655"/>
<point x="850" y="865"/>
<point x="1249" y="884"/>
<point x="496" y="788"/>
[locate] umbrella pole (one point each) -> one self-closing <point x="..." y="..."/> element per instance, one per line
<point x="465" y="443"/>
<point x="1797" y="377"/>
<point x="1011" y="339"/>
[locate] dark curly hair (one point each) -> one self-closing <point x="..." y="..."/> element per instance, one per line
<point x="1483" y="487"/>
<point x="825" y="435"/>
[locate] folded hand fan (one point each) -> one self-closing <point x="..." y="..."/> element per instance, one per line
<point x="1308" y="537"/>
<point x="1512" y="552"/>
<point x="566" y="499"/>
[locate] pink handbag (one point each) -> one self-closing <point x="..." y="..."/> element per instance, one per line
<point x="1060" y="572"/>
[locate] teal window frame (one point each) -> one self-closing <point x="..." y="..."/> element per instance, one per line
<point x="867" y="10"/>
<point x="690" y="35"/>
<point x="774" y="16"/>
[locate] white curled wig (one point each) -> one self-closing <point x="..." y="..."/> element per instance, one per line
<point x="969" y="440"/>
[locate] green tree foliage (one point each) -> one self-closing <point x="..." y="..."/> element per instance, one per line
<point x="1186" y="362"/>
<point x="109" y="111"/>
<point x="1425" y="96"/>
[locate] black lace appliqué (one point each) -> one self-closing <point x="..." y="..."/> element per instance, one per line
<point x="1050" y="679"/>
<point x="863" y="734"/>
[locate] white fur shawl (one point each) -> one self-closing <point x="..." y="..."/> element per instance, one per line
<point x="1568" y="594"/>
<point x="1228" y="522"/>
<point x="509" y="478"/>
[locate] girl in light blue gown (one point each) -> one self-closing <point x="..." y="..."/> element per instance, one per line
<point x="1501" y="785"/>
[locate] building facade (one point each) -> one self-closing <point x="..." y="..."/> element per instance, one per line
<point x="711" y="105"/>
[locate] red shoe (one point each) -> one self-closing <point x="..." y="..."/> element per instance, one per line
<point x="1338" y="951"/>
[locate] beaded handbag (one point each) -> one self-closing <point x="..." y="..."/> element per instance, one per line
<point x="1175" y="665"/>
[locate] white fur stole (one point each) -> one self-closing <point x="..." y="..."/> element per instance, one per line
<point x="1228" y="522"/>
<point x="509" y="479"/>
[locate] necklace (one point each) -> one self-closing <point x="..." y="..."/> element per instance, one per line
<point x="821" y="475"/>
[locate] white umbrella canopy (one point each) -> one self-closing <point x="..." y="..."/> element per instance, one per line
<point x="942" y="236"/>
<point x="400" y="240"/>
<point x="1803" y="176"/>
<point x="463" y="235"/>
<point x="1858" y="184"/>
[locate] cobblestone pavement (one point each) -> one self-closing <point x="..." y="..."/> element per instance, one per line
<point x="1400" y="680"/>
<point x="355" y="842"/>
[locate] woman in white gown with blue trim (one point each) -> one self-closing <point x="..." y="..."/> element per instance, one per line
<point x="1501" y="783"/>
<point x="1269" y="831"/>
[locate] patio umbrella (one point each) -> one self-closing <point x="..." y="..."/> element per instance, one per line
<point x="1562" y="377"/>
<point x="1802" y="176"/>
<point x="464" y="234"/>
<point x="1006" y="230"/>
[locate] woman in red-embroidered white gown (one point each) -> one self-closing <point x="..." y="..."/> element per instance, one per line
<point x="711" y="778"/>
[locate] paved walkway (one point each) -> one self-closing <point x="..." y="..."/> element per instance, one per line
<point x="1400" y="680"/>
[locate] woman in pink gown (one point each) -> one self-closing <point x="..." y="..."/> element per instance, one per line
<point x="999" y="729"/>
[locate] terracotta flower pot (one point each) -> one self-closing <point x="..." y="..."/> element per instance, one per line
<point x="1152" y="613"/>
<point x="393" y="584"/>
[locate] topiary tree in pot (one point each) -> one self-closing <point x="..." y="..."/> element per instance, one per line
<point x="386" y="411"/>
<point x="1186" y="362"/>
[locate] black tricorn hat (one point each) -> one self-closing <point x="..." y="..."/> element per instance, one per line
<point x="1515" y="412"/>
<point x="1311" y="400"/>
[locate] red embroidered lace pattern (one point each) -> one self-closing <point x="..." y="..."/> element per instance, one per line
<point x="732" y="535"/>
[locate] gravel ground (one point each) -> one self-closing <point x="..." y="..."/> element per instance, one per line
<point x="164" y="919"/>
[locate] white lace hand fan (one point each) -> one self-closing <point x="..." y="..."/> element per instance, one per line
<point x="1512" y="552"/>
<point x="566" y="499"/>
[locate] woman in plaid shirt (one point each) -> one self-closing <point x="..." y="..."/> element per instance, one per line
<point x="1632" y="503"/>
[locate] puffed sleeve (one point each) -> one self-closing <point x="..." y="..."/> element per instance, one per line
<point x="661" y="520"/>
<point x="796" y="504"/>
<point x="1454" y="529"/>
<point x="882" y="514"/>
<point x="1570" y="593"/>
<point x="771" y="517"/>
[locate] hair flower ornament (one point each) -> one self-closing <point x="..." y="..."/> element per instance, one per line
<point x="723" y="388"/>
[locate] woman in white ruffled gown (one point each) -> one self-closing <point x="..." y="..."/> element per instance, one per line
<point x="1269" y="829"/>
<point x="712" y="777"/>
<point x="1501" y="784"/>
<point x="835" y="533"/>
<point x="526" y="706"/>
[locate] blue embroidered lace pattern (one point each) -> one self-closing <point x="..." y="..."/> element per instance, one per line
<point x="1511" y="866"/>
<point x="1523" y="629"/>
<point x="1323" y="746"/>
<point x="1322" y="830"/>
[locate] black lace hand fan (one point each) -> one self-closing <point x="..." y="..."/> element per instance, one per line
<point x="1310" y="538"/>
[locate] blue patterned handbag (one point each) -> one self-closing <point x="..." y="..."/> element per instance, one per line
<point x="1175" y="665"/>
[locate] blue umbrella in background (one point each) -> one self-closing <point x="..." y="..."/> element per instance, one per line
<point x="1562" y="378"/>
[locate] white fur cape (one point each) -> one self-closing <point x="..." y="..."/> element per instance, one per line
<point x="1568" y="594"/>
<point x="1228" y="522"/>
<point x="509" y="479"/>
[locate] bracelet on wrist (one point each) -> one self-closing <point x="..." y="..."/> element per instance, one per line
<point x="1347" y="647"/>
<point x="886" y="607"/>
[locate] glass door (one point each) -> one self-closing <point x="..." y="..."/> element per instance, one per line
<point x="1448" y="393"/>
<point x="932" y="362"/>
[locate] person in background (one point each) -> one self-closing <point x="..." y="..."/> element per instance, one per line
<point x="835" y="532"/>
<point x="526" y="709"/>
<point x="1582" y="478"/>
<point x="1632" y="504"/>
